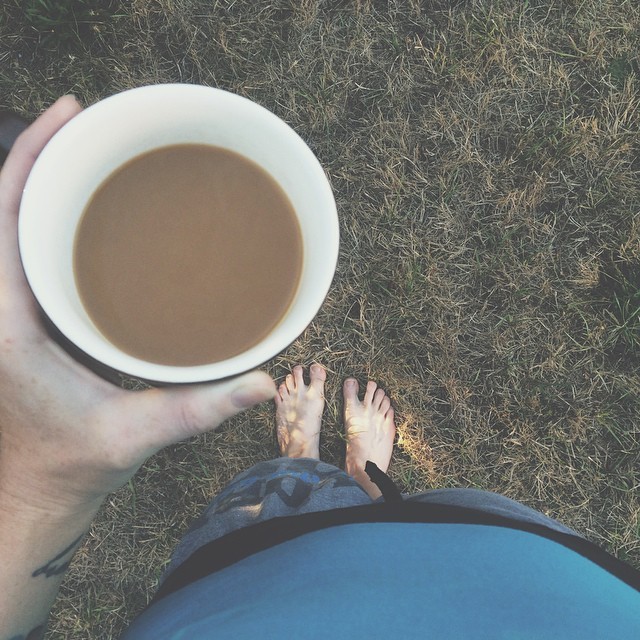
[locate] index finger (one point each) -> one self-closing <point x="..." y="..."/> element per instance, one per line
<point x="28" y="147"/>
<point x="13" y="178"/>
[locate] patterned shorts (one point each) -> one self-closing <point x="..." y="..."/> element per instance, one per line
<point x="291" y="486"/>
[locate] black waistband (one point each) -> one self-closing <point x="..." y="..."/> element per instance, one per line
<point x="240" y="544"/>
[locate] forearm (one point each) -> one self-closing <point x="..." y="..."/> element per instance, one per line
<point x="36" y="546"/>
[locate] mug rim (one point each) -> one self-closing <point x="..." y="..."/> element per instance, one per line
<point x="57" y="307"/>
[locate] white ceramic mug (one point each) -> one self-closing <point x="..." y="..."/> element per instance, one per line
<point x="111" y="132"/>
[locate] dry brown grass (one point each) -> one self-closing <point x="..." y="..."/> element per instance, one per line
<point x="485" y="161"/>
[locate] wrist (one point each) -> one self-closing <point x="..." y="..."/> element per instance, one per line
<point x="49" y="508"/>
<point x="29" y="493"/>
<point x="39" y="535"/>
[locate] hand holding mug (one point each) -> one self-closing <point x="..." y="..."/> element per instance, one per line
<point x="68" y="436"/>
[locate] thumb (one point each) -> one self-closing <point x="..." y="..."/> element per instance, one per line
<point x="173" y="414"/>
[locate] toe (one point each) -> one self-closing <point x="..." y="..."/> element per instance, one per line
<point x="317" y="371"/>
<point x="283" y="392"/>
<point x="389" y="419"/>
<point x="385" y="405"/>
<point x="290" y="382"/>
<point x="318" y="375"/>
<point x="297" y="376"/>
<point x="378" y="398"/>
<point x="368" y="396"/>
<point x="350" y="390"/>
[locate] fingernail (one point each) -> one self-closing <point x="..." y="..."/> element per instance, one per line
<point x="245" y="397"/>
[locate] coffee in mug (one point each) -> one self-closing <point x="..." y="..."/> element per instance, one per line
<point x="188" y="254"/>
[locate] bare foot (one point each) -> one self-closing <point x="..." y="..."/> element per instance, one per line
<point x="299" y="412"/>
<point x="370" y="431"/>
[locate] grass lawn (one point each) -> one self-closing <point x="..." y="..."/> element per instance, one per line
<point x="485" y="158"/>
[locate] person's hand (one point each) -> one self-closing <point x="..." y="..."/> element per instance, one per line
<point x="68" y="436"/>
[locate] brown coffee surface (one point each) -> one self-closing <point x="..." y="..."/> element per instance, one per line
<point x="187" y="255"/>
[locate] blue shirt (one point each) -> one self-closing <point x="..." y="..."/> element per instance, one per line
<point x="402" y="580"/>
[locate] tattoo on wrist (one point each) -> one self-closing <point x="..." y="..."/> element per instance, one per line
<point x="57" y="565"/>
<point x="34" y="634"/>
